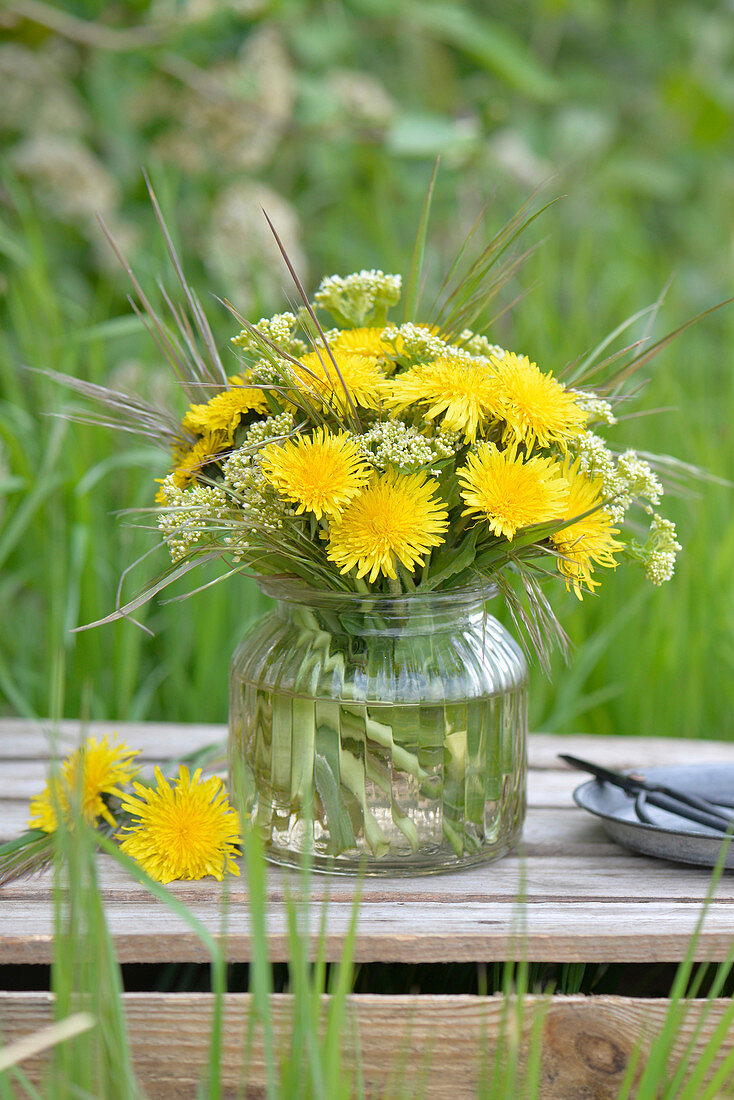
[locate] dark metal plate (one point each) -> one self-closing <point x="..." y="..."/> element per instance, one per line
<point x="668" y="837"/>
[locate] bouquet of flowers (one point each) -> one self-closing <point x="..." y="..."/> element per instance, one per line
<point x="365" y="445"/>
<point x="400" y="458"/>
<point x="366" y="454"/>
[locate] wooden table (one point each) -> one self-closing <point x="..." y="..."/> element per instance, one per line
<point x="584" y="899"/>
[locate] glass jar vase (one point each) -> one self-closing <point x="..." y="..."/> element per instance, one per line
<point x="381" y="733"/>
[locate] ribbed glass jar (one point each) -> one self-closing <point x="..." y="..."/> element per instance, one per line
<point x="387" y="733"/>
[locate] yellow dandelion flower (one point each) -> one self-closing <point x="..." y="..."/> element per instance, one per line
<point x="510" y="490"/>
<point x="395" y="517"/>
<point x="97" y="769"/>
<point x="243" y="379"/>
<point x="320" y="474"/>
<point x="587" y="540"/>
<point x="223" y="413"/>
<point x="464" y="391"/>
<point x="364" y="341"/>
<point x="360" y="374"/>
<point x="190" y="461"/>
<point x="536" y="408"/>
<point x="188" y="830"/>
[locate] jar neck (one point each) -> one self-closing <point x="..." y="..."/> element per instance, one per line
<point x="377" y="615"/>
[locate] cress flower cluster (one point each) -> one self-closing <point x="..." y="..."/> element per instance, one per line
<point x="370" y="455"/>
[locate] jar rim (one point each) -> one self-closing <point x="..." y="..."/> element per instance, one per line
<point x="291" y="589"/>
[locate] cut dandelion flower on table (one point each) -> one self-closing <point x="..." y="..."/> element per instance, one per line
<point x="187" y="830"/>
<point x="87" y="781"/>
<point x="179" y="829"/>
<point x="88" y="784"/>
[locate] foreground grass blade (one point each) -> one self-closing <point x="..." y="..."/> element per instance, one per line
<point x="261" y="977"/>
<point x="216" y="954"/>
<point x="85" y="973"/>
<point x="656" y="1064"/>
<point x="45" y="1039"/>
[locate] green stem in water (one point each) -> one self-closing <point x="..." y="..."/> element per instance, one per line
<point x="394" y="585"/>
<point x="407" y="578"/>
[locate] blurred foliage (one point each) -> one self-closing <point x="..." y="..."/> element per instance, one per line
<point x="329" y="115"/>
<point x="328" y="112"/>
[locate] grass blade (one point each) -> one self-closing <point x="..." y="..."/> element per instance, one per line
<point x="413" y="283"/>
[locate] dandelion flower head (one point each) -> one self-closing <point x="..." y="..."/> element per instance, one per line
<point x="461" y="389"/>
<point x="395" y="517"/>
<point x="589" y="540"/>
<point x="224" y="412"/>
<point x="360" y="374"/>
<point x="320" y="473"/>
<point x="368" y="342"/>
<point x="97" y="769"/>
<point x="536" y="407"/>
<point x="189" y="461"/>
<point x="184" y="830"/>
<point x="510" y="490"/>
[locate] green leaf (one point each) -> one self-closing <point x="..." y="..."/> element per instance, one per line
<point x="423" y="134"/>
<point x="13" y="249"/>
<point x="142" y="457"/>
<point x="488" y="43"/>
<point x="448" y="562"/>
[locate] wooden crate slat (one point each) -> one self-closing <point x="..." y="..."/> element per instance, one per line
<point x="20" y="780"/>
<point x="586" y="1042"/>
<point x="589" y="931"/>
<point x="564" y="831"/>
<point x="544" y="878"/>
<point x="23" y="739"/>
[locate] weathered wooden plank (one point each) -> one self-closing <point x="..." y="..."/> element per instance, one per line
<point x="586" y="1042"/>
<point x="23" y="739"/>
<point x="618" y="877"/>
<point x="13" y="818"/>
<point x="626" y="752"/>
<point x="397" y="930"/>
<point x="24" y="750"/>
<point x="585" y="898"/>
<point x="22" y="779"/>
<point x="563" y="831"/>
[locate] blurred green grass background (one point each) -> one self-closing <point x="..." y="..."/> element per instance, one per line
<point x="330" y="115"/>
